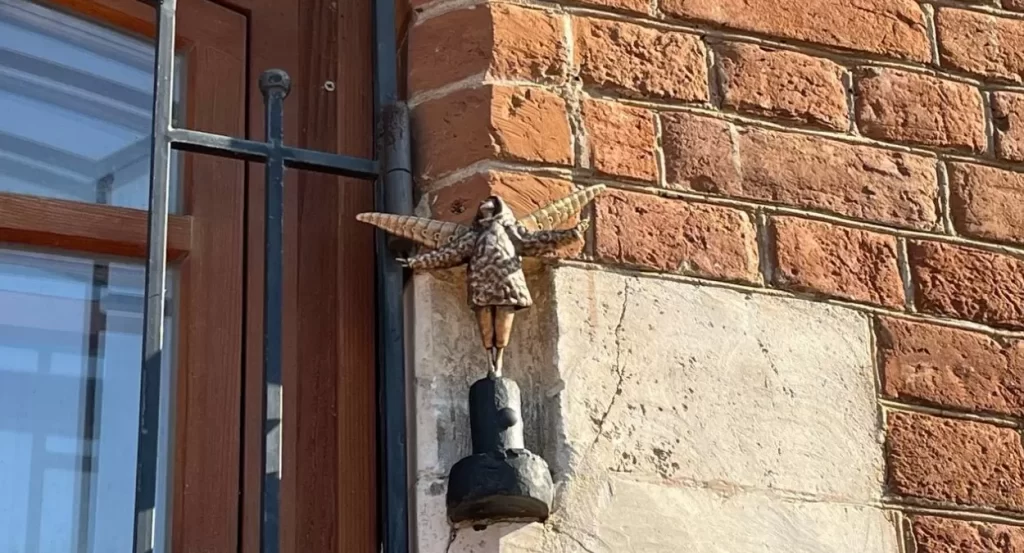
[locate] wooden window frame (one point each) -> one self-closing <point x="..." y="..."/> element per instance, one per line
<point x="330" y="393"/>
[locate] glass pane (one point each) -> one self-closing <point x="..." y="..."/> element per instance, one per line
<point x="77" y="99"/>
<point x="70" y="355"/>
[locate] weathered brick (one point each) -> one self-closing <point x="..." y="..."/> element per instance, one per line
<point x="981" y="43"/>
<point x="523" y="192"/>
<point x="783" y="85"/>
<point x="986" y="202"/>
<point x="967" y="283"/>
<point x="490" y="122"/>
<point x="853" y="264"/>
<point x="699" y="154"/>
<point x="947" y="535"/>
<point x="620" y="139"/>
<point x="639" y="61"/>
<point x="1015" y="5"/>
<point x="799" y="170"/>
<point x="497" y="39"/>
<point x="949" y="367"/>
<point x="918" y="109"/>
<point x="671" y="235"/>
<point x="636" y="6"/>
<point x="1008" y="119"/>
<point x="963" y="462"/>
<point x="888" y="27"/>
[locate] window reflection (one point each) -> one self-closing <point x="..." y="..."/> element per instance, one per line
<point x="76" y="99"/>
<point x="70" y="354"/>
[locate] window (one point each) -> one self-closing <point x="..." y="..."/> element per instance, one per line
<point x="76" y="93"/>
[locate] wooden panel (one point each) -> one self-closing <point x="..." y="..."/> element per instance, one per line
<point x="329" y="489"/>
<point x="208" y="450"/>
<point x="92" y="228"/>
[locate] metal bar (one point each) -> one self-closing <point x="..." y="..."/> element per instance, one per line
<point x="393" y="194"/>
<point x="156" y="282"/>
<point x="335" y="164"/>
<point x="297" y="158"/>
<point x="275" y="85"/>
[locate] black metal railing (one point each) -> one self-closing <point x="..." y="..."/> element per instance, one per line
<point x="390" y="171"/>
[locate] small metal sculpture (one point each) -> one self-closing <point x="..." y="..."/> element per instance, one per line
<point x="493" y="248"/>
<point x="501" y="480"/>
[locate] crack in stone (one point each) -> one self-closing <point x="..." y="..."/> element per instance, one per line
<point x="582" y="545"/>
<point x="451" y="539"/>
<point x="619" y="370"/>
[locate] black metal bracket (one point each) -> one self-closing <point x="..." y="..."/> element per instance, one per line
<point x="393" y="193"/>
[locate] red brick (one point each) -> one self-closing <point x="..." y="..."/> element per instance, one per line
<point x="490" y="123"/>
<point x="967" y="283"/>
<point x="899" y="106"/>
<point x="893" y="28"/>
<point x="671" y="235"/>
<point x="635" y="6"/>
<point x="783" y="85"/>
<point x="1015" y="5"/>
<point x="981" y="43"/>
<point x="947" y="535"/>
<point x="1008" y="119"/>
<point x="986" y="202"/>
<point x="497" y="39"/>
<point x="639" y="61"/>
<point x="800" y="170"/>
<point x="620" y="139"/>
<point x="524" y="193"/>
<point x="967" y="463"/>
<point x="846" y="263"/>
<point x="948" y="367"/>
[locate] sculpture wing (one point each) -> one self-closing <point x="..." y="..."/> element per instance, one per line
<point x="428" y="232"/>
<point x="549" y="216"/>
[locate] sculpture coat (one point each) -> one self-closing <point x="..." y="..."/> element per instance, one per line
<point x="493" y="248"/>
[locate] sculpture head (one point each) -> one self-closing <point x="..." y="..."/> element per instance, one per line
<point x="494" y="209"/>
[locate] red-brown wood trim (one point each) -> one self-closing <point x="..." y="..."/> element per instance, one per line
<point x="329" y="489"/>
<point x="92" y="228"/>
<point x="209" y="404"/>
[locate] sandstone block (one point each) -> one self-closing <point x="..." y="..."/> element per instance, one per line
<point x="783" y="85"/>
<point x="963" y="462"/>
<point x="640" y="61"/>
<point x="986" y="202"/>
<point x="742" y="391"/>
<point x="649" y="518"/>
<point x="620" y="139"/>
<point x="490" y="123"/>
<point x="852" y="264"/>
<point x="800" y="170"/>
<point x="981" y="43"/>
<point x="967" y="283"/>
<point x="673" y="235"/>
<point x="912" y="108"/>
<point x="894" y="28"/>
<point x="499" y="40"/>
<point x="951" y="368"/>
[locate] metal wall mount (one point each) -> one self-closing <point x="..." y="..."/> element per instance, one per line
<point x="391" y="174"/>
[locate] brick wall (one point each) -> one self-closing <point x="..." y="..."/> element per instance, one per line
<point x="864" y="152"/>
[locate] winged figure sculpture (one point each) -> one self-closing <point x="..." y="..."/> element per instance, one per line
<point x="492" y="247"/>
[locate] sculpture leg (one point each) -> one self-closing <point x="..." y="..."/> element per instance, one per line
<point x="503" y="317"/>
<point x="485" y="319"/>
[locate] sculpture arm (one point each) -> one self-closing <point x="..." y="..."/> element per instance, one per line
<point x="533" y="244"/>
<point x="445" y="257"/>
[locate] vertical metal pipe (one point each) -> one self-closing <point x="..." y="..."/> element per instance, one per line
<point x="393" y="194"/>
<point x="275" y="85"/>
<point x="156" y="281"/>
